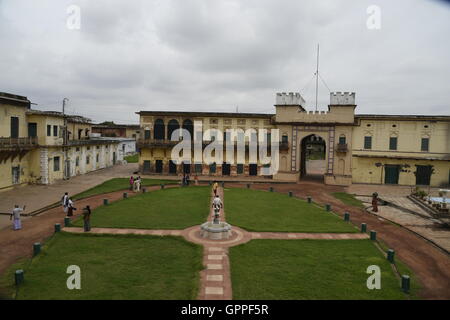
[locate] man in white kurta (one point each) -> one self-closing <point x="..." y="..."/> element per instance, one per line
<point x="15" y="215"/>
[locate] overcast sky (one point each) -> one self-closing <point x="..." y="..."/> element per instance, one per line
<point x="215" y="55"/>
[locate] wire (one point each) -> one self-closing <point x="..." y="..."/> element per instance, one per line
<point x="324" y="83"/>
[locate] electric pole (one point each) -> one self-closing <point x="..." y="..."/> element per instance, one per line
<point x="317" y="75"/>
<point x="65" y="142"/>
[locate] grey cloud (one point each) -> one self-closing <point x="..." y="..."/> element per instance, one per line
<point x="216" y="55"/>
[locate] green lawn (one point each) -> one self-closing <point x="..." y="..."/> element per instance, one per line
<point x="175" y="208"/>
<point x="309" y="269"/>
<point x="114" y="267"/>
<point x="348" y="199"/>
<point x="132" y="159"/>
<point x="118" y="184"/>
<point x="257" y="210"/>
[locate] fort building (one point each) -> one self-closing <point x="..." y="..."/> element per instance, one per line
<point x="34" y="149"/>
<point x="357" y="148"/>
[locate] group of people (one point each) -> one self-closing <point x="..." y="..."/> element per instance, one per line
<point x="135" y="183"/>
<point x="68" y="208"/>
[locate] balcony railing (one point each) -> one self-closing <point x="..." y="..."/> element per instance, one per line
<point x="342" y="147"/>
<point x="156" y="143"/>
<point x="18" y="143"/>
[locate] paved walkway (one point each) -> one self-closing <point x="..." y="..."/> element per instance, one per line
<point x="386" y="190"/>
<point x="36" y="197"/>
<point x="421" y="222"/>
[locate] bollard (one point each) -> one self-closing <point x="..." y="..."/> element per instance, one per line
<point x="271" y="189"/>
<point x="373" y="235"/>
<point x="36" y="248"/>
<point x="125" y="195"/>
<point x="346" y="216"/>
<point x="105" y="202"/>
<point x="66" y="222"/>
<point x="290" y="193"/>
<point x="405" y="283"/>
<point x="57" y="227"/>
<point x="390" y="255"/>
<point x="18" y="276"/>
<point x="328" y="207"/>
<point x="248" y="185"/>
<point x="309" y="199"/>
<point x="363" y="227"/>
<point x="162" y="186"/>
<point x="144" y="190"/>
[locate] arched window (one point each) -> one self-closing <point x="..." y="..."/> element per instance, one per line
<point x="188" y="125"/>
<point x="159" y="130"/>
<point x="171" y="127"/>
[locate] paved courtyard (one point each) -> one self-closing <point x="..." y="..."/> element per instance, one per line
<point x="414" y="218"/>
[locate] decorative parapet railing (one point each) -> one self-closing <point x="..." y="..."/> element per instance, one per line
<point x="18" y="143"/>
<point x="156" y="143"/>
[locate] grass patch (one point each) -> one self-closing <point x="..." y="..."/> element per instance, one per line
<point x="132" y="159"/>
<point x="117" y="184"/>
<point x="114" y="267"/>
<point x="257" y="210"/>
<point x="348" y="199"/>
<point x="309" y="269"/>
<point x="175" y="208"/>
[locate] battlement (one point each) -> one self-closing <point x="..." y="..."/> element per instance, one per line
<point x="342" y="98"/>
<point x="291" y="99"/>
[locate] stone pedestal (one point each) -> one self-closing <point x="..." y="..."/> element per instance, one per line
<point x="219" y="231"/>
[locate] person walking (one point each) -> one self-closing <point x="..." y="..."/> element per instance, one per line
<point x="87" y="219"/>
<point x="215" y="186"/>
<point x="70" y="208"/>
<point x="17" y="224"/>
<point x="65" y="202"/>
<point x="131" y="183"/>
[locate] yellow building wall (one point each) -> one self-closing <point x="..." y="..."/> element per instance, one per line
<point x="8" y="111"/>
<point x="365" y="171"/>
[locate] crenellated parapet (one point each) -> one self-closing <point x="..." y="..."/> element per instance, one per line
<point x="342" y="98"/>
<point x="341" y="109"/>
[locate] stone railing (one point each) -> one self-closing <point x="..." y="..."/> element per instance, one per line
<point x="18" y="143"/>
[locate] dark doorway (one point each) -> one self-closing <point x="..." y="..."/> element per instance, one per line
<point x="171" y="127"/>
<point x="14" y="127"/>
<point x="172" y="167"/>
<point x="226" y="169"/>
<point x="391" y="174"/>
<point x="32" y="130"/>
<point x="189" y="126"/>
<point x="159" y="131"/>
<point x="186" y="168"/>
<point x="423" y="175"/>
<point x="253" y="169"/>
<point x="313" y="157"/>
<point x="114" y="158"/>
<point x="146" y="168"/>
<point x="159" y="166"/>
<point x="16" y="175"/>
